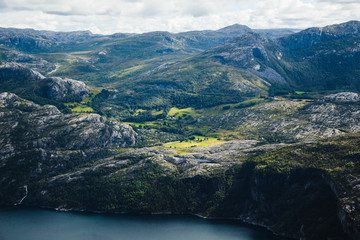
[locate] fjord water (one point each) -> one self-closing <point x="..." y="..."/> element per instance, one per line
<point x="35" y="224"/>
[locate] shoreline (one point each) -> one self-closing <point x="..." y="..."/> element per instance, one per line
<point x="83" y="211"/>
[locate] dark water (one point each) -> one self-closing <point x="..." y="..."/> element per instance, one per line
<point x="34" y="224"/>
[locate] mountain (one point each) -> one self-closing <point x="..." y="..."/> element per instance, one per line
<point x="256" y="125"/>
<point x="252" y="64"/>
<point x="116" y="56"/>
<point x="277" y="32"/>
<point x="30" y="40"/>
<point x="315" y="59"/>
<point x="207" y="39"/>
<point x="322" y="58"/>
<point x="315" y="36"/>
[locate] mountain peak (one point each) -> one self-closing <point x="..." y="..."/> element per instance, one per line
<point x="315" y="35"/>
<point x="351" y="27"/>
<point x="235" y="28"/>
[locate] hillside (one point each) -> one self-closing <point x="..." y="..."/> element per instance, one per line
<point x="252" y="65"/>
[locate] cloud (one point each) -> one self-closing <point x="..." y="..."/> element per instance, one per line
<point x="109" y="16"/>
<point x="339" y="1"/>
<point x="2" y="4"/>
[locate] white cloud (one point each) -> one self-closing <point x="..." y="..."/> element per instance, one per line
<point x="108" y="16"/>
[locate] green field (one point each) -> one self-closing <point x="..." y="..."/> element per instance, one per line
<point x="134" y="124"/>
<point x="82" y="109"/>
<point x="175" y="112"/>
<point x="199" y="141"/>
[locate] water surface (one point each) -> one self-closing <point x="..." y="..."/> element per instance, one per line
<point x="35" y="224"/>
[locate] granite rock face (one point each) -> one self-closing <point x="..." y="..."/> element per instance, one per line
<point x="343" y="97"/>
<point x="27" y="82"/>
<point x="39" y="140"/>
<point x="314" y="36"/>
<point x="59" y="88"/>
<point x="13" y="71"/>
<point x="25" y="125"/>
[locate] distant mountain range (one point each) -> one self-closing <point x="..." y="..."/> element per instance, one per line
<point x="230" y="63"/>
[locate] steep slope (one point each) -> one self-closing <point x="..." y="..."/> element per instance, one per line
<point x="323" y="58"/>
<point x="249" y="52"/>
<point x="50" y="129"/>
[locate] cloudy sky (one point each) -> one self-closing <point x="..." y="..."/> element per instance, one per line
<point x="109" y="16"/>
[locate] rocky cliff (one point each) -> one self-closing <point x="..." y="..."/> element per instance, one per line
<point x="33" y="85"/>
<point x="38" y="140"/>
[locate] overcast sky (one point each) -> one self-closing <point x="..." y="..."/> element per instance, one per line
<point x="109" y="16"/>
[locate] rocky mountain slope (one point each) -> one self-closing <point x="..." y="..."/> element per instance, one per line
<point x="297" y="61"/>
<point x="48" y="128"/>
<point x="284" y="120"/>
<point x="322" y="58"/>
<point x="30" y="40"/>
<point x="36" y="140"/>
<point x="32" y="85"/>
<point x="316" y="58"/>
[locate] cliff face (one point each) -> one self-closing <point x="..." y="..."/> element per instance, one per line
<point x="346" y="189"/>
<point x="298" y="204"/>
<point x="323" y="205"/>
<point x="59" y="89"/>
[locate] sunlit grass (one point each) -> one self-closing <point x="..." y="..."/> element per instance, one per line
<point x="82" y="109"/>
<point x="193" y="143"/>
<point x="126" y="71"/>
<point x="156" y="113"/>
<point x="175" y="112"/>
<point x="134" y="124"/>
